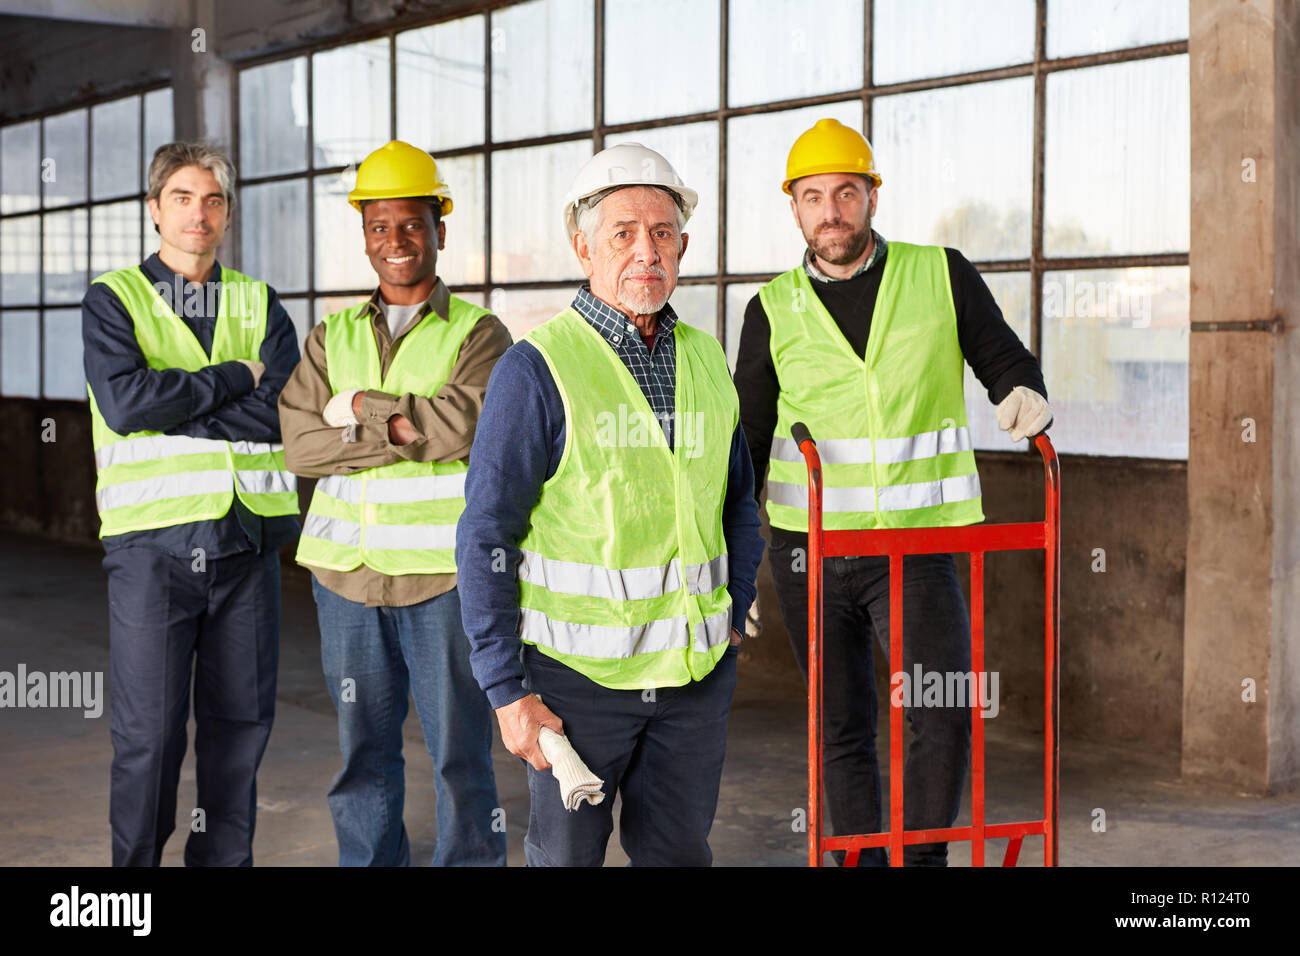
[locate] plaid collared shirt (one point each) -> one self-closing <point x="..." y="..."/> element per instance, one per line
<point x="654" y="371"/>
<point x="810" y="265"/>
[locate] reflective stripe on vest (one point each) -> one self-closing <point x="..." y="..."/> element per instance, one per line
<point x="399" y="518"/>
<point x="890" y="427"/>
<point x="149" y="480"/>
<point x="639" y="598"/>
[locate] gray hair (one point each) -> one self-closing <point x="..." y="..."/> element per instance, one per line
<point x="167" y="159"/>
<point x="589" y="215"/>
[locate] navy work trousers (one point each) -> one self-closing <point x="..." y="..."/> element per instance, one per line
<point x="936" y="635"/>
<point x="174" y="620"/>
<point x="661" y="750"/>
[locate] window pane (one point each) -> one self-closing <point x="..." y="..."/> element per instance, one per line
<point x="921" y="38"/>
<point x="350" y="89"/>
<point x="341" y="261"/>
<point x="474" y="298"/>
<point x="693" y="151"/>
<point x="1115" y="352"/>
<point x="328" y="305"/>
<point x="298" y="314"/>
<point x="116" y="148"/>
<point x="1118" y="159"/>
<point x="542" y="68"/>
<point x="158" y="128"/>
<point x="273" y="118"/>
<point x="63" y="167"/>
<point x="528" y="187"/>
<point x="1011" y="290"/>
<point x="738" y="297"/>
<point x="65" y="374"/>
<point x="267" y="214"/>
<point x="777" y="51"/>
<point x="440" y="78"/>
<point x="957" y="167"/>
<point x="683" y="35"/>
<point x="462" y="262"/>
<point x="114" y="236"/>
<point x="20" y="246"/>
<point x="20" y="357"/>
<point x="523" y="309"/>
<point x="65" y="256"/>
<point x="1091" y="26"/>
<point x="20" y="167"/>
<point x="697" y="305"/>
<point x="761" y="236"/>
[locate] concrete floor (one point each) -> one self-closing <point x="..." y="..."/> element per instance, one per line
<point x="54" y="791"/>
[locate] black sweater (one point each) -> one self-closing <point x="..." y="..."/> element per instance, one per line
<point x="995" y="354"/>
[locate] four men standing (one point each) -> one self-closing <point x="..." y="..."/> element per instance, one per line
<point x="603" y="531"/>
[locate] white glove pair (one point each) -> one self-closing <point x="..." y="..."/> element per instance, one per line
<point x="577" y="783"/>
<point x="1024" y="413"/>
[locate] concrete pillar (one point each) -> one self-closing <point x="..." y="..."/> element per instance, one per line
<point x="204" y="88"/>
<point x="1241" y="652"/>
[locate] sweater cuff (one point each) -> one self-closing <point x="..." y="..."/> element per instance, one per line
<point x="507" y="692"/>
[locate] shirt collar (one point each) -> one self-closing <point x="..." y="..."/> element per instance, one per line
<point x="614" y="325"/>
<point x="877" y="253"/>
<point x="439" y="302"/>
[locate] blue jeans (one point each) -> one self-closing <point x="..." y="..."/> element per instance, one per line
<point x="372" y="656"/>
<point x="936" y="635"/>
<point x="662" y="752"/>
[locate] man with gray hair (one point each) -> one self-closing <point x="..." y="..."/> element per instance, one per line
<point x="185" y="360"/>
<point x="608" y="548"/>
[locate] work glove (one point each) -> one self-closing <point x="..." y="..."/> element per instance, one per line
<point x="257" y="368"/>
<point x="338" y="410"/>
<point x="1024" y="413"/>
<point x="753" y="623"/>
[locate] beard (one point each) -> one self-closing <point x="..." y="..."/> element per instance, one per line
<point x="840" y="248"/>
<point x="638" y="300"/>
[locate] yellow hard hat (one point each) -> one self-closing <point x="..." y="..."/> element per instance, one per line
<point x="830" y="147"/>
<point x="399" y="170"/>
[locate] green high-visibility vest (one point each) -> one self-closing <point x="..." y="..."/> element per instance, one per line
<point x="623" y="573"/>
<point x="150" y="480"/>
<point x="399" y="518"/>
<point x="890" y="427"/>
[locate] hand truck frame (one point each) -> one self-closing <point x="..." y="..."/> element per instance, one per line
<point x="977" y="540"/>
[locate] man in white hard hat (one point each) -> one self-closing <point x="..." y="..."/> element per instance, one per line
<point x="864" y="342"/>
<point x="609" y="543"/>
<point x="381" y="412"/>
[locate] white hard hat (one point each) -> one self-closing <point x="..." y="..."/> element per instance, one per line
<point x="627" y="164"/>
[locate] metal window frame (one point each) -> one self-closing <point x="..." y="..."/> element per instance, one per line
<point x="41" y="306"/>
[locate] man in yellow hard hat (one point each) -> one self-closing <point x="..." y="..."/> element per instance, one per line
<point x="382" y="412"/>
<point x="864" y="342"/>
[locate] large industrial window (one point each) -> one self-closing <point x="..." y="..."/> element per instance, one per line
<point x="72" y="188"/>
<point x="1048" y="141"/>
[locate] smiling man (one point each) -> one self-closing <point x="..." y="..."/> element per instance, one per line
<point x="382" y="412"/>
<point x="184" y="360"/>
<point x="607" y="570"/>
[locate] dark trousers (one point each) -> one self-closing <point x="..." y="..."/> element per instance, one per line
<point x="936" y="635"/>
<point x="169" y="624"/>
<point x="661" y="750"/>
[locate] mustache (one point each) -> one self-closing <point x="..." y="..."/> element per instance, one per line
<point x="640" y="272"/>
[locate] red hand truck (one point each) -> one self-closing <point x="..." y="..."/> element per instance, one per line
<point x="977" y="540"/>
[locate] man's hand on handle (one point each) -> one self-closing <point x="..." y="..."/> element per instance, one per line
<point x="1024" y="413"/>
<point x="522" y="722"/>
